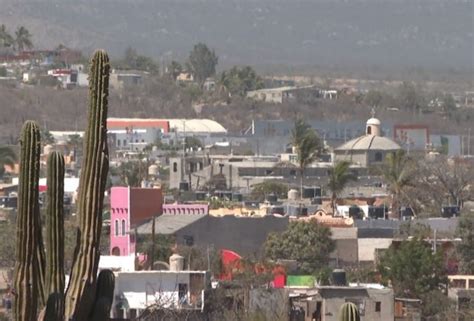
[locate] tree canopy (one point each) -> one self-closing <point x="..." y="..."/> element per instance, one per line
<point x="412" y="268"/>
<point x="397" y="173"/>
<point x="202" y="62"/>
<point x="466" y="247"/>
<point x="308" y="146"/>
<point x="240" y="80"/>
<point x="8" y="157"/>
<point x="307" y="242"/>
<point x="339" y="176"/>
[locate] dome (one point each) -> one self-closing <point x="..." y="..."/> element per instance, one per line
<point x="369" y="142"/>
<point x="373" y="121"/>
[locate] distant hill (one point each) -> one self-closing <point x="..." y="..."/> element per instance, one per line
<point x="430" y="34"/>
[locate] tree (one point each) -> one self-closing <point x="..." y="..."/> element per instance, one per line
<point x="133" y="60"/>
<point x="307" y="242"/>
<point x="174" y="69"/>
<point x="409" y="97"/>
<point x="466" y="247"/>
<point x="261" y="190"/>
<point x="308" y="147"/>
<point x="240" y="80"/>
<point x="6" y="39"/>
<point x="8" y="157"/>
<point x="23" y="39"/>
<point x="412" y="268"/>
<point x="397" y="173"/>
<point x="202" y="62"/>
<point x="339" y="177"/>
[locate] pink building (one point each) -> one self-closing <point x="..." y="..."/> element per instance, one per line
<point x="129" y="207"/>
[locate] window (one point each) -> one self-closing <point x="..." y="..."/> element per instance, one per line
<point x="118" y="142"/>
<point x="124" y="142"/>
<point x="175" y="167"/>
<point x="182" y="293"/>
<point x="369" y="130"/>
<point x="378" y="306"/>
<point x="378" y="156"/>
<point x="123" y="227"/>
<point x="116" y="227"/>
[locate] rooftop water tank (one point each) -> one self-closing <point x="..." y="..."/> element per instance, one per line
<point x="176" y="262"/>
<point x="47" y="149"/>
<point x="153" y="170"/>
<point x="293" y="195"/>
<point x="339" y="277"/>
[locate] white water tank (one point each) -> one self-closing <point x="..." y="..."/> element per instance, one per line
<point x="47" y="149"/>
<point x="153" y="170"/>
<point x="176" y="262"/>
<point x="293" y="195"/>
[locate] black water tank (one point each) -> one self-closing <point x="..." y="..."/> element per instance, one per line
<point x="184" y="186"/>
<point x="271" y="198"/>
<point x="311" y="192"/>
<point x="339" y="277"/>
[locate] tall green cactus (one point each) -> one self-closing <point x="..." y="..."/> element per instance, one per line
<point x="349" y="312"/>
<point x="27" y="271"/>
<point x="55" y="224"/>
<point x="54" y="307"/>
<point x="80" y="295"/>
<point x="104" y="296"/>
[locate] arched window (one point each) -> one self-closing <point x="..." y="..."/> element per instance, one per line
<point x="123" y="227"/>
<point x="116" y="251"/>
<point x="116" y="227"/>
<point x="369" y="130"/>
<point x="175" y="167"/>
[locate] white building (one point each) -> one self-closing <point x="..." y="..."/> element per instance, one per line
<point x="136" y="291"/>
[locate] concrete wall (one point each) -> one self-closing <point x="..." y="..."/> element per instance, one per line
<point x="366" y="303"/>
<point x="244" y="235"/>
<point x="368" y="247"/>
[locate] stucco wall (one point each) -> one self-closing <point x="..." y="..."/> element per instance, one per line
<point x="244" y="235"/>
<point x="119" y="212"/>
<point x="367" y="247"/>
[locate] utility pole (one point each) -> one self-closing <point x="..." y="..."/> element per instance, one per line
<point x="468" y="142"/>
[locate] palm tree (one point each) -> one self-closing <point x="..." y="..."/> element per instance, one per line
<point x="308" y="147"/>
<point x="7" y="158"/>
<point x="397" y="173"/>
<point x="23" y="39"/>
<point x="339" y="177"/>
<point x="6" y="40"/>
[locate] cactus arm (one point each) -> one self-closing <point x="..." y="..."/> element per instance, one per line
<point x="80" y="294"/>
<point x="55" y="225"/>
<point x="54" y="308"/>
<point x="349" y="312"/>
<point x="26" y="268"/>
<point x="104" y="296"/>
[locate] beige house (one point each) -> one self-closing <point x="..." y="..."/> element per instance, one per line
<point x="369" y="149"/>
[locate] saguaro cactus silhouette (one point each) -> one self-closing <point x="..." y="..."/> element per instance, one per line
<point x="27" y="272"/>
<point x="80" y="294"/>
<point x="87" y="297"/>
<point x="349" y="312"/>
<point x="55" y="225"/>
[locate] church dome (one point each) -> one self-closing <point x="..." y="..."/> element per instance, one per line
<point x="373" y="121"/>
<point x="369" y="142"/>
